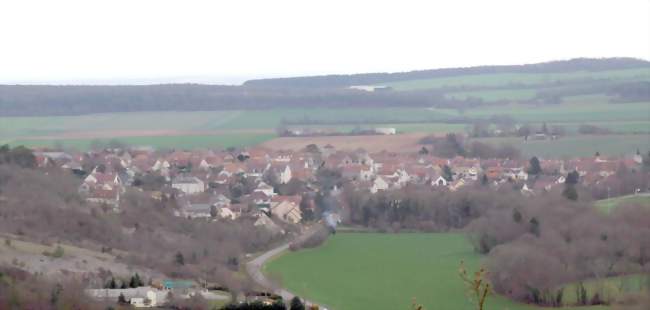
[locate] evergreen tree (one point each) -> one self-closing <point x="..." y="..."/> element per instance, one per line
<point x="138" y="280"/>
<point x="516" y="216"/>
<point x="447" y="173"/>
<point x="572" y="178"/>
<point x="111" y="284"/>
<point x="570" y="192"/>
<point x="296" y="304"/>
<point x="535" y="167"/>
<point x="121" y="299"/>
<point x="534" y="226"/>
<point x="179" y="259"/>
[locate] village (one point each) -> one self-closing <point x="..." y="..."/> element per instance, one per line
<point x="223" y="185"/>
<point x="274" y="187"/>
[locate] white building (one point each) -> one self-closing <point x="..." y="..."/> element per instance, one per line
<point x="370" y="88"/>
<point x="386" y="130"/>
<point x="188" y="185"/>
<point x="378" y="185"/>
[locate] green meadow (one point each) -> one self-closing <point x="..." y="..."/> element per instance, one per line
<point x="371" y="271"/>
<point x="220" y="141"/>
<point x="196" y="129"/>
<point x="495" y="94"/>
<point x="519" y="79"/>
<point x="608" y="205"/>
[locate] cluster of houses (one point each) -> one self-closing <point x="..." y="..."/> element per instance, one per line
<point x="156" y="294"/>
<point x="225" y="185"/>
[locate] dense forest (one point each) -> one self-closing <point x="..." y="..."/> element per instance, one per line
<point x="76" y="100"/>
<point x="305" y="92"/>
<point x="578" y="64"/>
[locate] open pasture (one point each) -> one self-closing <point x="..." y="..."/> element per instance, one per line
<point x="385" y="272"/>
<point x="506" y="79"/>
<point x="608" y="205"/>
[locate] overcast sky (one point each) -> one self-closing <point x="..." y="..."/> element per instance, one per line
<point x="137" y="41"/>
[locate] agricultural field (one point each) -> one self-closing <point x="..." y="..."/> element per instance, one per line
<point x="196" y="129"/>
<point x="385" y="271"/>
<point x="506" y="79"/>
<point x="495" y="94"/>
<point x="189" y="141"/>
<point x="608" y="205"/>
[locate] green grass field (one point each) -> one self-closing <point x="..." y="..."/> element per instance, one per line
<point x="496" y="94"/>
<point x="269" y="119"/>
<point x="607" y="205"/>
<point x="505" y="79"/>
<point x="242" y="128"/>
<point x="609" y="288"/>
<point x="219" y="141"/>
<point x="385" y="271"/>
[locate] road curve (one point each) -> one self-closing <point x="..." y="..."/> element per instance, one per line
<point x="255" y="266"/>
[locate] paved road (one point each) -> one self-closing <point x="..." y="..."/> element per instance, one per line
<point x="254" y="269"/>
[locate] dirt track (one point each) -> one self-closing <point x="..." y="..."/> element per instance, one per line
<point x="255" y="269"/>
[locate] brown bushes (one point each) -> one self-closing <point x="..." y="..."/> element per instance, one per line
<point x="570" y="242"/>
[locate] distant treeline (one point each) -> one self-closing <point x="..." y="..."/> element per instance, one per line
<point x="17" y="100"/>
<point x="305" y="92"/>
<point x="579" y="64"/>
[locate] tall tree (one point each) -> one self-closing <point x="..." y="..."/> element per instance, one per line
<point x="179" y="259"/>
<point x="572" y="177"/>
<point x="535" y="167"/>
<point x="447" y="173"/>
<point x="570" y="192"/>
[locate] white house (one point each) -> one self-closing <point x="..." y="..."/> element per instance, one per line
<point x="287" y="208"/>
<point x="144" y="302"/>
<point x="188" y="184"/>
<point x="266" y="189"/>
<point x="285" y="175"/>
<point x="439" y="181"/>
<point x="378" y="185"/>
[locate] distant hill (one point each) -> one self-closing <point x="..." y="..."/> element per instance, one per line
<point x="613" y="79"/>
<point x="578" y="64"/>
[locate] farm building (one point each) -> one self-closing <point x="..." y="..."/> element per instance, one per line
<point x="386" y="130"/>
<point x="370" y="88"/>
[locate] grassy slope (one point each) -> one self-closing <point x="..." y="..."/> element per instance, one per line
<point x="504" y="79"/>
<point x="385" y="271"/>
<point x="607" y="205"/>
<point x="496" y="94"/>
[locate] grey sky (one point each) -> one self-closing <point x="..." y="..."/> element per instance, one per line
<point x="140" y="41"/>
